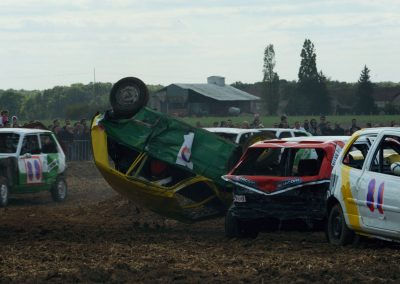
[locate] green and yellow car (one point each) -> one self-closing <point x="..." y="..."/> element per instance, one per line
<point x="31" y="160"/>
<point x="159" y="162"/>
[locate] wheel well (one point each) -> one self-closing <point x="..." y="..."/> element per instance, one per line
<point x="332" y="201"/>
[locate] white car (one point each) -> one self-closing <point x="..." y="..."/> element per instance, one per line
<point x="286" y="132"/>
<point x="364" y="195"/>
<point x="31" y="160"/>
<point x="235" y="135"/>
<point x="240" y="135"/>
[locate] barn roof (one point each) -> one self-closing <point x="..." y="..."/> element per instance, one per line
<point x="219" y="93"/>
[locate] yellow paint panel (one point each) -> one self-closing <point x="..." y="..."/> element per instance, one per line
<point x="350" y="205"/>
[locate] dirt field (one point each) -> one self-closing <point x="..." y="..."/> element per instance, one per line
<point x="98" y="237"/>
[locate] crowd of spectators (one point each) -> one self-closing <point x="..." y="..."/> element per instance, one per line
<point x="321" y="128"/>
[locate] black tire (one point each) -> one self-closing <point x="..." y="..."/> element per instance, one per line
<point x="235" y="228"/>
<point x="337" y="231"/>
<point x="59" y="190"/>
<point x="127" y="97"/>
<point x="4" y="192"/>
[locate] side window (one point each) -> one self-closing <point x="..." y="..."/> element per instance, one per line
<point x="387" y="153"/>
<point x="30" y="145"/>
<point x="357" y="153"/>
<point x="299" y="134"/>
<point x="49" y="146"/>
<point x="284" y="134"/>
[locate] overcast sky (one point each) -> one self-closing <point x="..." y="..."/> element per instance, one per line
<point x="44" y="43"/>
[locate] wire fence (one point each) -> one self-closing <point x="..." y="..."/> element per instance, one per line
<point x="77" y="150"/>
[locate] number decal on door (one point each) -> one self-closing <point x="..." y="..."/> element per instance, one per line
<point x="371" y="196"/>
<point x="33" y="170"/>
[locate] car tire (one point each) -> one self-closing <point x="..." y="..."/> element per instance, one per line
<point x="235" y="228"/>
<point x="337" y="231"/>
<point x="59" y="190"/>
<point x="4" y="192"/>
<point x="127" y="97"/>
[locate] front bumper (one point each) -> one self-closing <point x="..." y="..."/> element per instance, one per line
<point x="306" y="203"/>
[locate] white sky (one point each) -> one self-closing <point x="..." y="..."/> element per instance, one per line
<point x="44" y="43"/>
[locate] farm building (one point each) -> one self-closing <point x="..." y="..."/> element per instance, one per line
<point x="212" y="98"/>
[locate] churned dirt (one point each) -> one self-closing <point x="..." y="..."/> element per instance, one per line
<point x="96" y="236"/>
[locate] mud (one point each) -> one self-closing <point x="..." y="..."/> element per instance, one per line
<point x="96" y="236"/>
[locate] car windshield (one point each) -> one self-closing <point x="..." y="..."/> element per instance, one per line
<point x="281" y="162"/>
<point x="8" y="143"/>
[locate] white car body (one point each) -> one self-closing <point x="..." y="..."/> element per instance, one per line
<point x="240" y="135"/>
<point x="364" y="185"/>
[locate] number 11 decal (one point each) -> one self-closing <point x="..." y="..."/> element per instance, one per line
<point x="370" y="196"/>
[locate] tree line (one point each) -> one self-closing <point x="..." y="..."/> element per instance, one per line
<point x="312" y="94"/>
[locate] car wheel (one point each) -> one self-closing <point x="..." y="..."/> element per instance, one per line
<point x="127" y="97"/>
<point x="59" y="190"/>
<point x="235" y="228"/>
<point x="231" y="225"/>
<point x="337" y="230"/>
<point x="4" y="192"/>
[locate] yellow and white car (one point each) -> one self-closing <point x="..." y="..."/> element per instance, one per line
<point x="364" y="195"/>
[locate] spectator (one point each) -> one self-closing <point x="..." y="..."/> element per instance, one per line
<point x="14" y="122"/>
<point x="354" y="127"/>
<point x="392" y="123"/>
<point x="284" y="123"/>
<point x="223" y="123"/>
<point x="56" y="124"/>
<point x="215" y="124"/>
<point x="306" y="125"/>
<point x="328" y="131"/>
<point x="314" y="128"/>
<point x="297" y="126"/>
<point x="276" y="125"/>
<point x="229" y="123"/>
<point x="245" y="125"/>
<point x="338" y="130"/>
<point x="322" y="125"/>
<point x="256" y="121"/>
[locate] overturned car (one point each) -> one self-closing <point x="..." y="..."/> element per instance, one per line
<point x="159" y="162"/>
<point x="279" y="180"/>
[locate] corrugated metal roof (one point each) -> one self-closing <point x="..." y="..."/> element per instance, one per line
<point x="219" y="93"/>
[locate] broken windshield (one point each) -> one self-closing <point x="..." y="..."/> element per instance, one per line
<point x="281" y="162"/>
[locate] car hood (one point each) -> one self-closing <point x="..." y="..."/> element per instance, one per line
<point x="269" y="185"/>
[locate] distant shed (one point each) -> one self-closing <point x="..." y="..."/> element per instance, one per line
<point x="213" y="98"/>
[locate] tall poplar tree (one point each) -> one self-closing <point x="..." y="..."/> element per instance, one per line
<point x="365" y="102"/>
<point x="312" y="95"/>
<point x="270" y="80"/>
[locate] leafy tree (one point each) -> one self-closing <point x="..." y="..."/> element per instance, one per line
<point x="365" y="102"/>
<point x="270" y="80"/>
<point x="312" y="96"/>
<point x="12" y="101"/>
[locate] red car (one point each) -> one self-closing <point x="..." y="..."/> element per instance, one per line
<point x="279" y="180"/>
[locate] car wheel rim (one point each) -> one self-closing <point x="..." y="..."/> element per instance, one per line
<point x="3" y="192"/>
<point x="337" y="226"/>
<point x="61" y="188"/>
<point x="127" y="96"/>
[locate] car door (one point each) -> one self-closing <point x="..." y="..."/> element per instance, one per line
<point x="51" y="163"/>
<point x="351" y="171"/>
<point x="30" y="164"/>
<point x="378" y="189"/>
